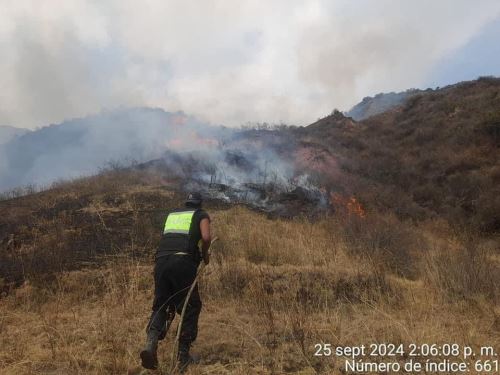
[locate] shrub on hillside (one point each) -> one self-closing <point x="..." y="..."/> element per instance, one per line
<point x="462" y="271"/>
<point x="490" y="127"/>
<point x="487" y="217"/>
<point x="387" y="242"/>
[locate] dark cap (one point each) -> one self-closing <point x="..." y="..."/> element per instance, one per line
<point x="194" y="198"/>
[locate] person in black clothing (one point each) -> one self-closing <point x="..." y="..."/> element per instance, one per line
<point x="176" y="264"/>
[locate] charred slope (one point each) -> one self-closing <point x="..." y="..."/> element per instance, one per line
<point x="438" y="154"/>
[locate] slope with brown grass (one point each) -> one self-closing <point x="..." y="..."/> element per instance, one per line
<point x="437" y="155"/>
<point x="77" y="269"/>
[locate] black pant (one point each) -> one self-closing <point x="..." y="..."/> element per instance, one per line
<point x="174" y="275"/>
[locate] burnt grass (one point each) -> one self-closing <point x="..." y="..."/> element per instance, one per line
<point x="77" y="223"/>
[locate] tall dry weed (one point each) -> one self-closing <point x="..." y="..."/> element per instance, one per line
<point x="463" y="270"/>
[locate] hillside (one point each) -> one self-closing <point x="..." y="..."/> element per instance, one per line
<point x="434" y="155"/>
<point x="76" y="264"/>
<point x="438" y="155"/>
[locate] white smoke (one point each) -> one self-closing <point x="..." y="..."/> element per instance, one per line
<point x="223" y="61"/>
<point x="186" y="147"/>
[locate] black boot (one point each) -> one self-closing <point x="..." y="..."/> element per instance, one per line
<point x="148" y="355"/>
<point x="184" y="357"/>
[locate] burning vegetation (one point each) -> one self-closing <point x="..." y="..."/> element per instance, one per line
<point x="347" y="205"/>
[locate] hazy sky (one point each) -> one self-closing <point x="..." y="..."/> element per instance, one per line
<point x="231" y="62"/>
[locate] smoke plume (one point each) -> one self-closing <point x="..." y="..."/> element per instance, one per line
<point x="221" y="61"/>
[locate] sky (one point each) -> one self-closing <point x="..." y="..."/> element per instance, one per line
<point x="233" y="62"/>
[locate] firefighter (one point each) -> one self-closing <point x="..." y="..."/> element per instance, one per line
<point x="184" y="243"/>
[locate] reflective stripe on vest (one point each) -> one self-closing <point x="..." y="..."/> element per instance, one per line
<point x="178" y="222"/>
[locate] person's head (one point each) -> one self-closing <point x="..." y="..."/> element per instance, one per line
<point x="194" y="199"/>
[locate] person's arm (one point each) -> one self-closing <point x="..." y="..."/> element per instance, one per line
<point x="206" y="238"/>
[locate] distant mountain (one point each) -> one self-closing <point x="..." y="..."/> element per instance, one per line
<point x="7" y="133"/>
<point x="382" y="102"/>
<point x="81" y="146"/>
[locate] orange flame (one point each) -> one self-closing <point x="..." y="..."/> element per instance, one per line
<point x="349" y="205"/>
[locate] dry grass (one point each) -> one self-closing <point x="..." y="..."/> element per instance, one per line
<point x="274" y="289"/>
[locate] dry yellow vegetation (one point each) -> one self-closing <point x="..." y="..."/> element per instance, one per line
<point x="273" y="289"/>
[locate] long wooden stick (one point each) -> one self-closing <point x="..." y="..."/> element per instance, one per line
<point x="201" y="267"/>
